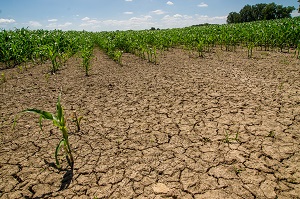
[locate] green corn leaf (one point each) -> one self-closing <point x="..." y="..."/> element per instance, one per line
<point x="79" y="119"/>
<point x="44" y="114"/>
<point x="40" y="122"/>
<point x="56" y="122"/>
<point x="59" y="110"/>
<point x="61" y="142"/>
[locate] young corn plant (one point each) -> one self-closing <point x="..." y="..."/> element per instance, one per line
<point x="118" y="56"/>
<point x="250" y="47"/>
<point x="58" y="121"/>
<point x="2" y="78"/>
<point x="200" y="49"/>
<point x="86" y="54"/>
<point x="77" y="119"/>
<point x="53" y="55"/>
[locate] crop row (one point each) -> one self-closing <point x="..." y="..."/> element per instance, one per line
<point x="23" y="45"/>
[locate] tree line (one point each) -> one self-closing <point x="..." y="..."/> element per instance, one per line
<point x="259" y="12"/>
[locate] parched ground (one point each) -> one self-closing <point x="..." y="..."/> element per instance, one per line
<point x="220" y="127"/>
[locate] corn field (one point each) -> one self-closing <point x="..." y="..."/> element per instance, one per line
<point x="21" y="46"/>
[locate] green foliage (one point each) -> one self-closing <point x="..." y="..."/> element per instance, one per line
<point x="259" y="12"/>
<point x="38" y="46"/>
<point x="58" y="121"/>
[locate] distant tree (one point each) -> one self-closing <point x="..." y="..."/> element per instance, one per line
<point x="284" y="12"/>
<point x="246" y="14"/>
<point x="234" y="17"/>
<point x="257" y="11"/>
<point x="299" y="6"/>
<point x="260" y="11"/>
<point x="269" y="11"/>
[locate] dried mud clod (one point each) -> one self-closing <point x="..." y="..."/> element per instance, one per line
<point x="223" y="126"/>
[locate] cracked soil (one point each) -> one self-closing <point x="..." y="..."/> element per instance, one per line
<point x="220" y="127"/>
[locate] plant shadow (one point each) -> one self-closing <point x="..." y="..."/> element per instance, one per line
<point x="67" y="178"/>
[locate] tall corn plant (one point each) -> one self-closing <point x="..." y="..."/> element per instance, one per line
<point x="58" y="121"/>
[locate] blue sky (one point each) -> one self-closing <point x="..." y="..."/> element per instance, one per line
<point x="103" y="15"/>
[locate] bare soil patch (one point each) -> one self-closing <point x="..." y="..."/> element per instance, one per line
<point x="220" y="127"/>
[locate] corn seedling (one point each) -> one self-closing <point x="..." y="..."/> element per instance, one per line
<point x="238" y="170"/>
<point x="2" y="78"/>
<point x="205" y="139"/>
<point x="47" y="77"/>
<point x="271" y="134"/>
<point x="86" y="54"/>
<point x="58" y="121"/>
<point x="77" y="120"/>
<point x="53" y="55"/>
<point x="118" y="56"/>
<point x="200" y="49"/>
<point x="20" y="69"/>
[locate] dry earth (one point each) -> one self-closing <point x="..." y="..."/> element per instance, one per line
<point x="220" y="127"/>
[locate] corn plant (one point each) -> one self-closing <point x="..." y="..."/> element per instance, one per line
<point x="86" y="54"/>
<point x="118" y="56"/>
<point x="77" y="119"/>
<point x="53" y="55"/>
<point x="200" y="49"/>
<point x="2" y="78"/>
<point x="250" y="47"/>
<point x="58" y="121"/>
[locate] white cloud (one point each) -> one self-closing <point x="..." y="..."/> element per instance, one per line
<point x="52" y="20"/>
<point x="134" y="23"/>
<point x="7" y="20"/>
<point x="59" y="26"/>
<point x="158" y="12"/>
<point x="85" y="19"/>
<point x="179" y="21"/>
<point x="170" y="3"/>
<point x="202" y="5"/>
<point x="34" y="24"/>
<point x="128" y="13"/>
<point x="295" y="13"/>
<point x="129" y="0"/>
<point x="147" y="21"/>
<point x="177" y="16"/>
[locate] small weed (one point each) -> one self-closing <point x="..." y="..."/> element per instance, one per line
<point x="238" y="170"/>
<point x="205" y="139"/>
<point x="229" y="139"/>
<point x="271" y="134"/>
<point x="47" y="77"/>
